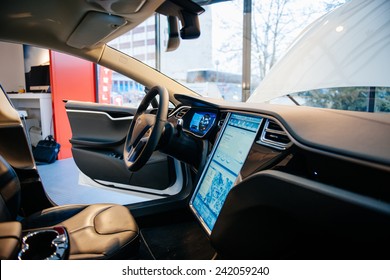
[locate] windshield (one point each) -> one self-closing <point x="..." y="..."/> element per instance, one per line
<point x="240" y="42"/>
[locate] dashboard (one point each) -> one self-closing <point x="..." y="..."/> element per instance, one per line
<point x="279" y="178"/>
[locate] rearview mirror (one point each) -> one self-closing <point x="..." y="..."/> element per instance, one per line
<point x="173" y="34"/>
<point x="190" y="23"/>
<point x="187" y="12"/>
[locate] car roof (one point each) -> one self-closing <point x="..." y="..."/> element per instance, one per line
<point x="79" y="27"/>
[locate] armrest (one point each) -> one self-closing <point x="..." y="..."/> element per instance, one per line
<point x="10" y="236"/>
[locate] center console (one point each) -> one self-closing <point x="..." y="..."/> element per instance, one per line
<point x="45" y="244"/>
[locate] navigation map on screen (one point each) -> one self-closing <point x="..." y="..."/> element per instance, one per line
<point x="223" y="168"/>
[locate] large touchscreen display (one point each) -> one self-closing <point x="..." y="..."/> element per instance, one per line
<point x="223" y="167"/>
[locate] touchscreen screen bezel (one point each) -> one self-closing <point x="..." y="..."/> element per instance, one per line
<point x="207" y="166"/>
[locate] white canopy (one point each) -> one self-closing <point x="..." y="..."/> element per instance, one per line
<point x="348" y="47"/>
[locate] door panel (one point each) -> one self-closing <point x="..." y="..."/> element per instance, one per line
<point x="98" y="137"/>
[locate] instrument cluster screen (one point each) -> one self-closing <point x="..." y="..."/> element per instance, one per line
<point x="201" y="122"/>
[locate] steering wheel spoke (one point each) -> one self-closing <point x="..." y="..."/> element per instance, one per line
<point x="136" y="150"/>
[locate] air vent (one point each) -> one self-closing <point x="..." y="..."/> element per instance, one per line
<point x="274" y="136"/>
<point x="271" y="125"/>
<point x="181" y="112"/>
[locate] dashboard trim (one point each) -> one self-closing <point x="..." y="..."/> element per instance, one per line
<point x="174" y="112"/>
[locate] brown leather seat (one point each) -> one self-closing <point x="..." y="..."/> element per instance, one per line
<point x="97" y="231"/>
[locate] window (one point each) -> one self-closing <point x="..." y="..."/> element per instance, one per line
<point x="363" y="99"/>
<point x="116" y="89"/>
<point x="212" y="65"/>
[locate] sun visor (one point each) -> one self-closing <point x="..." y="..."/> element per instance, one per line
<point x="94" y="27"/>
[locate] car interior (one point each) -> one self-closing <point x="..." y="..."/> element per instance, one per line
<point x="257" y="181"/>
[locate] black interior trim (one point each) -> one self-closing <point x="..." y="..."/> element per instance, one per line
<point x="273" y="214"/>
<point x="95" y="144"/>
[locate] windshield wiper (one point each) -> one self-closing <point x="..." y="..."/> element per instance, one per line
<point x="293" y="100"/>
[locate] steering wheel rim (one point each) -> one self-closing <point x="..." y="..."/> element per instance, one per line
<point x="145" y="130"/>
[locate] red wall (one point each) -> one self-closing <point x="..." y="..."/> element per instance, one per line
<point x="71" y="79"/>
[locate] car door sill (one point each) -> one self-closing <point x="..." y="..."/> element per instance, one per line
<point x="174" y="189"/>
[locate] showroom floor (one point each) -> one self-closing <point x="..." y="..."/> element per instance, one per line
<point x="61" y="182"/>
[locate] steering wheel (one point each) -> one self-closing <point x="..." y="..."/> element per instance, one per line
<point x="145" y="130"/>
